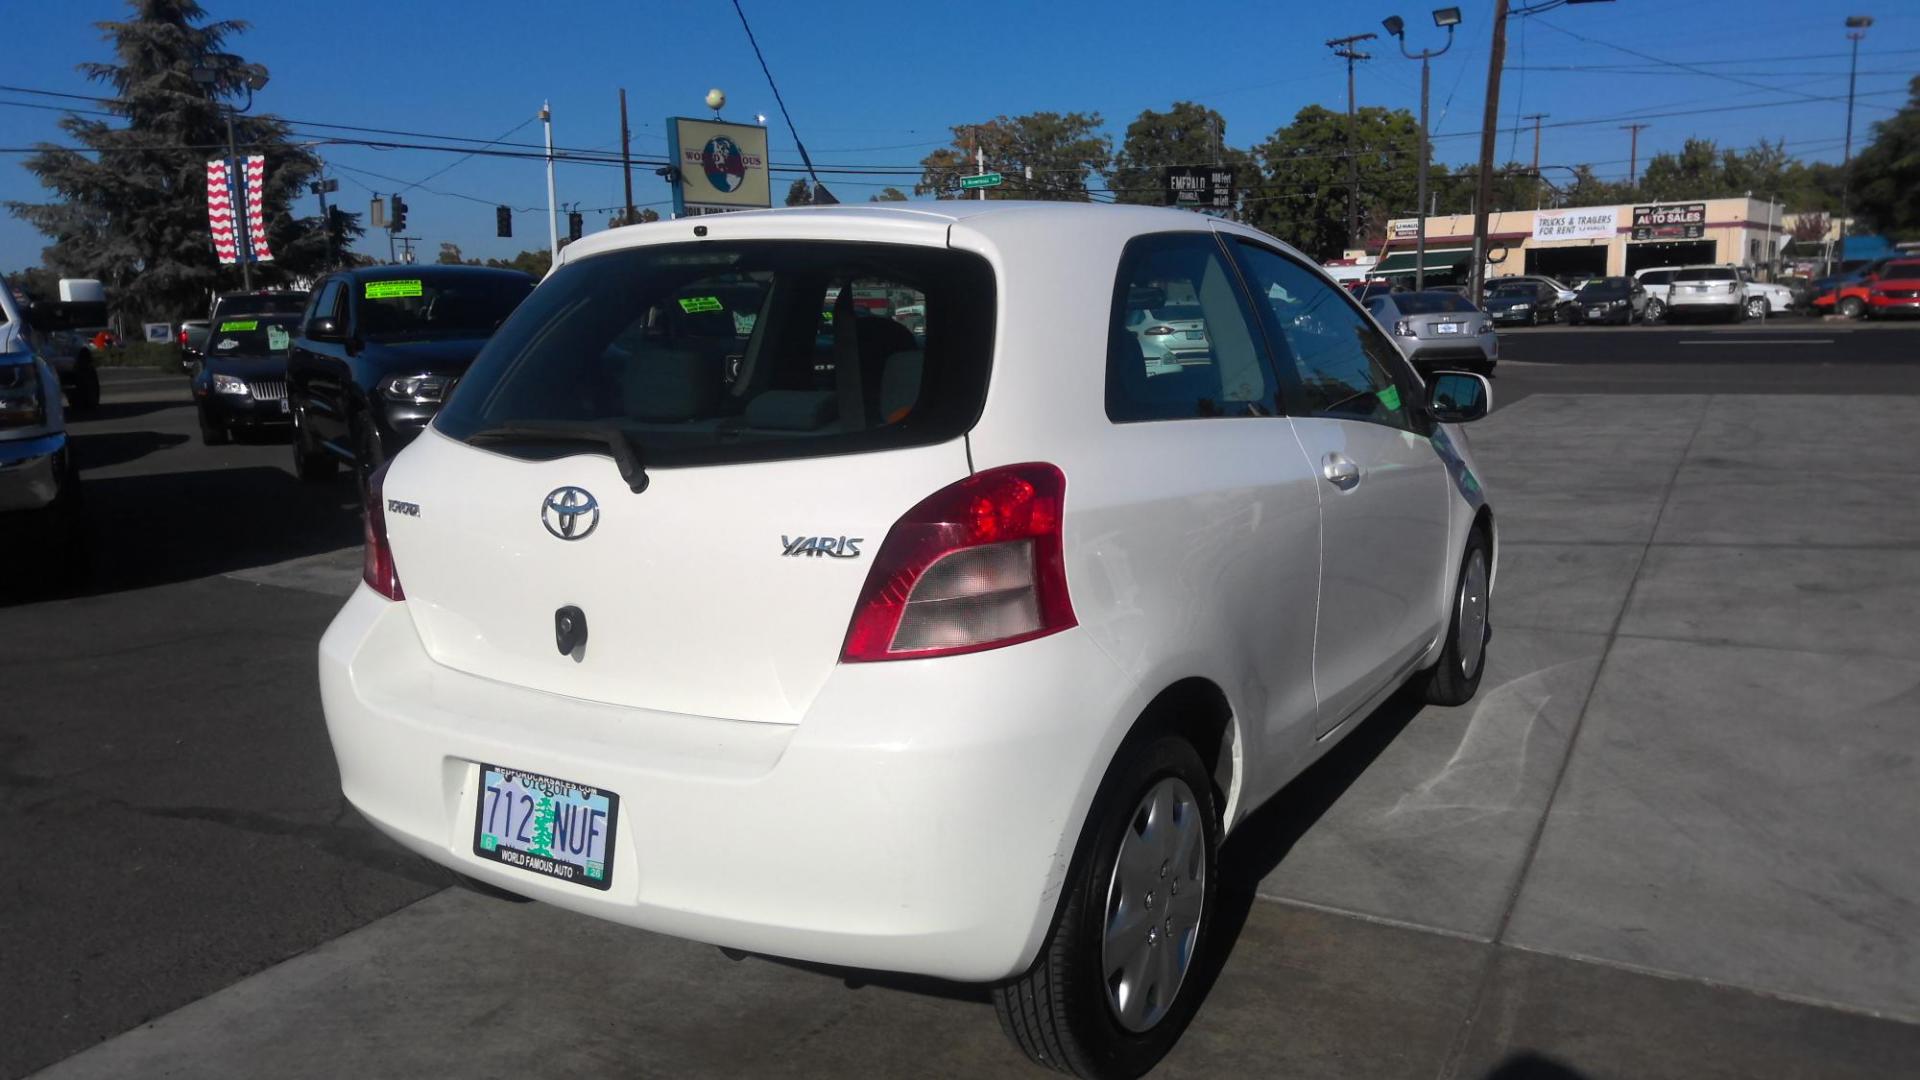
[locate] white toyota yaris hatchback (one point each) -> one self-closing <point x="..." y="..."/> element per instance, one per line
<point x="720" y="602"/>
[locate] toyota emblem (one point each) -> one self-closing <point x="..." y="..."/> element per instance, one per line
<point x="570" y="513"/>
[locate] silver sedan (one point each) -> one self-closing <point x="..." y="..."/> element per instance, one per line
<point x="1438" y="330"/>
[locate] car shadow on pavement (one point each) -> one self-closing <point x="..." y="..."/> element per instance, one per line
<point x="1531" y="1066"/>
<point x="106" y="449"/>
<point x="160" y="528"/>
<point x="121" y="410"/>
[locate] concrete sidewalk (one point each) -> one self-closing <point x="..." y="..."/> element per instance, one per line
<point x="1672" y="836"/>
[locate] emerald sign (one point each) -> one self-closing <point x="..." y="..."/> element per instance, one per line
<point x="992" y="179"/>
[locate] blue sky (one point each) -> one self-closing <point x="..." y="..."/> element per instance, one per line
<point x="879" y="84"/>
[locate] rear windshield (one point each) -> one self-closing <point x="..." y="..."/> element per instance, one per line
<point x="286" y="303"/>
<point x="1432" y="303"/>
<point x="253" y="335"/>
<point x="1706" y="273"/>
<point x="426" y="305"/>
<point x="741" y="351"/>
<point x="1607" y="285"/>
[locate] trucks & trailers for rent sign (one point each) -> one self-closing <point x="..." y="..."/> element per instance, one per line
<point x="1576" y="224"/>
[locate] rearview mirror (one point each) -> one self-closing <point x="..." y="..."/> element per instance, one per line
<point x="326" y="330"/>
<point x="1459" y="397"/>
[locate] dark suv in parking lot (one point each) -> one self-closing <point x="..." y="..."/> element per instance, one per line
<point x="378" y="350"/>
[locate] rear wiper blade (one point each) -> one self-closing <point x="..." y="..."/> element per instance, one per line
<point x="612" y="437"/>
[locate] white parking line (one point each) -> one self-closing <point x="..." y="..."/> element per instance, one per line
<point x="1759" y="341"/>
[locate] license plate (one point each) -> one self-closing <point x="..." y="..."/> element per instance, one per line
<point x="1596" y="312"/>
<point x="1196" y="335"/>
<point x="283" y="406"/>
<point x="546" y="826"/>
<point x="1447" y="328"/>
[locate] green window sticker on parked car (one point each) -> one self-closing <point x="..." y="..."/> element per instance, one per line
<point x="693" y="305"/>
<point x="238" y="325"/>
<point x="1390" y="398"/>
<point x="391" y="290"/>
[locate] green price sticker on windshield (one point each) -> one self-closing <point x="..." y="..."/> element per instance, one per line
<point x="693" y="305"/>
<point x="239" y="325"/>
<point x="391" y="290"/>
<point x="1390" y="398"/>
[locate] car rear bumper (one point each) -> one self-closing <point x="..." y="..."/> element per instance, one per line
<point x="1719" y="305"/>
<point x="900" y="826"/>
<point x="1477" y="352"/>
<point x="30" y="471"/>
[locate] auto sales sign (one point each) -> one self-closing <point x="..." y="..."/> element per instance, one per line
<point x="1576" y="224"/>
<point x="1677" y="221"/>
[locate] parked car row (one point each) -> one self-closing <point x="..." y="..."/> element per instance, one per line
<point x="1884" y="288"/>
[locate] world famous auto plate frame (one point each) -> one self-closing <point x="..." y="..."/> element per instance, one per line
<point x="544" y="825"/>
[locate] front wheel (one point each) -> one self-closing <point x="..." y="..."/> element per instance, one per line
<point x="85" y="395"/>
<point x="1853" y="307"/>
<point x="312" y="466"/>
<point x="1757" y="307"/>
<point x="1456" y="678"/>
<point x="213" y="432"/>
<point x="1113" y="986"/>
<point x="1656" y="310"/>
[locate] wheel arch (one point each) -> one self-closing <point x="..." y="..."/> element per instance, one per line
<point x="1196" y="709"/>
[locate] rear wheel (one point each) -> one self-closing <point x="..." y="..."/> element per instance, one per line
<point x="1756" y="307"/>
<point x="1853" y="307"/>
<point x="85" y="394"/>
<point x="1456" y="678"/>
<point x="1656" y="310"/>
<point x="1113" y="986"/>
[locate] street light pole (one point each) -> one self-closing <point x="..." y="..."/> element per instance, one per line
<point x="250" y="77"/>
<point x="1448" y="17"/>
<point x="1856" y="29"/>
<point x="553" y="220"/>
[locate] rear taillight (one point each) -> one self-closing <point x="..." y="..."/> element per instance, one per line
<point x="183" y="337"/>
<point x="376" y="559"/>
<point x="976" y="565"/>
<point x="1402" y="328"/>
<point x="1160" y="331"/>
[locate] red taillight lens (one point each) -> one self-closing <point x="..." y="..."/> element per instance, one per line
<point x="183" y="338"/>
<point x="376" y="558"/>
<point x="976" y="565"/>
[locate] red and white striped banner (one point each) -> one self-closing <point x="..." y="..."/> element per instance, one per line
<point x="221" y="209"/>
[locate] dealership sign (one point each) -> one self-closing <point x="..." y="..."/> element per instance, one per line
<point x="1680" y="221"/>
<point x="718" y="166"/>
<point x="1576" y="224"/>
<point x="1199" y="187"/>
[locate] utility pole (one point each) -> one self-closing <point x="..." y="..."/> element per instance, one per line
<point x="553" y="221"/>
<point x="1633" y="151"/>
<point x="321" y="188"/>
<point x="1856" y="29"/>
<point x="1489" y="126"/>
<point x="1344" y="49"/>
<point x="626" y="155"/>
<point x="1536" y="118"/>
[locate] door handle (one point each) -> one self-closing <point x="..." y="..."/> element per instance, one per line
<point x="1340" y="471"/>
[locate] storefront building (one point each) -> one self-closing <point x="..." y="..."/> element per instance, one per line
<point x="1594" y="241"/>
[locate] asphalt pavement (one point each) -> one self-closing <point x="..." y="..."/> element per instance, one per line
<point x="1664" y="841"/>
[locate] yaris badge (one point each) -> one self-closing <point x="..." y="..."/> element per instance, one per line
<point x="570" y="513"/>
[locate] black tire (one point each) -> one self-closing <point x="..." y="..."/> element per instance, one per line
<point x="84" y="396"/>
<point x="1059" y="1012"/>
<point x="1656" y="310"/>
<point x="310" y="465"/>
<point x="1757" y="307"/>
<point x="1449" y="682"/>
<point x="213" y="432"/>
<point x="1853" y="308"/>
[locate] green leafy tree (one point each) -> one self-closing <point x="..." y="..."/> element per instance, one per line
<point x="536" y="261"/>
<point x="1304" y="165"/>
<point x="1186" y="134"/>
<point x="799" y="194"/>
<point x="891" y="194"/>
<point x="130" y="204"/>
<point x="1886" y="175"/>
<point x="1063" y="150"/>
<point x="450" y="254"/>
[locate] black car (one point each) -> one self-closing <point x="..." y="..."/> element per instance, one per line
<point x="1610" y="300"/>
<point x="241" y="381"/>
<point x="1521" y="303"/>
<point x="379" y="349"/>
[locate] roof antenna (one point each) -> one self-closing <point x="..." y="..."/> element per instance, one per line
<point x="821" y="196"/>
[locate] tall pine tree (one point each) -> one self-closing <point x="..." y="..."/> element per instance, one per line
<point x="131" y="194"/>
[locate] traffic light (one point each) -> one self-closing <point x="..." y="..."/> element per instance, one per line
<point x="574" y="225"/>
<point x="503" y="221"/>
<point x="397" y="222"/>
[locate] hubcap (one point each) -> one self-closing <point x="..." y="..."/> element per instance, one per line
<point x="1154" y="900"/>
<point x="1471" y="620"/>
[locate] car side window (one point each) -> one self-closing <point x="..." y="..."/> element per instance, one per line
<point x="1332" y="360"/>
<point x="1182" y="342"/>
<point x="326" y="303"/>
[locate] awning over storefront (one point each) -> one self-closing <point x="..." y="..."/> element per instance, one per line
<point x="1405" y="262"/>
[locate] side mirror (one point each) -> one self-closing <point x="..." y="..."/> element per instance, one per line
<point x="326" y="330"/>
<point x="1459" y="397"/>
